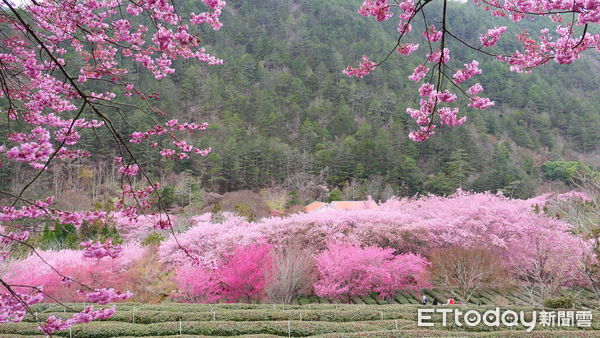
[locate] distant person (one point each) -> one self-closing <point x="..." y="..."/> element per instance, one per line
<point x="451" y="301"/>
<point x="435" y="301"/>
<point x="425" y="299"/>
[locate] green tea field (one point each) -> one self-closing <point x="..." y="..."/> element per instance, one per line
<point x="368" y="316"/>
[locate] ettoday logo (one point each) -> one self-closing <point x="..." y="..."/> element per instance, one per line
<point x="508" y="318"/>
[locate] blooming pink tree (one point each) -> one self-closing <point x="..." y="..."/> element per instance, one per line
<point x="348" y="270"/>
<point x="442" y="79"/>
<point x="241" y="276"/>
<point x="51" y="53"/>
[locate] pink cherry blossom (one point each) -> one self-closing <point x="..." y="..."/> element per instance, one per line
<point x="419" y="73"/>
<point x="48" y="101"/>
<point x="435" y="57"/>
<point x="427" y="89"/>
<point x="407" y="48"/>
<point x="470" y="70"/>
<point x="348" y="271"/>
<point x="380" y="9"/>
<point x="475" y="89"/>
<point x="431" y="34"/>
<point x="449" y="118"/>
<point x="447" y="96"/>
<point x="481" y="102"/>
<point x="491" y="37"/>
<point x="13" y="309"/>
<point x="101" y="250"/>
<point x="53" y="324"/>
<point x="365" y="67"/>
<point x="105" y="296"/>
<point x="130" y="170"/>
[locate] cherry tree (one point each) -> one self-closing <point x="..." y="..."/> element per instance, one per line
<point x="52" y="52"/>
<point x="441" y="83"/>
<point x="347" y="270"/>
<point x="240" y="276"/>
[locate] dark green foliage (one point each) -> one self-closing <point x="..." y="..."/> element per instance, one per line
<point x="284" y="106"/>
<point x="153" y="238"/>
<point x="280" y="105"/>
<point x="167" y="195"/>
<point x="567" y="171"/>
<point x="66" y="236"/>
<point x="334" y="195"/>
<point x="563" y="302"/>
<point x="61" y="235"/>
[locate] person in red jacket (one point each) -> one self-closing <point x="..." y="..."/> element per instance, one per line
<point x="450" y="301"/>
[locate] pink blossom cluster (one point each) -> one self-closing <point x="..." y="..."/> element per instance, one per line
<point x="428" y="104"/>
<point x="105" y="296"/>
<point x="480" y="102"/>
<point x="431" y="34"/>
<point x="365" y="67"/>
<point x="169" y="129"/>
<point x="133" y="227"/>
<point x="407" y="48"/>
<point x="63" y="274"/>
<point x="241" y="275"/>
<point x="40" y="209"/>
<point x="13" y="309"/>
<point x="435" y="57"/>
<point x="78" y="218"/>
<point x="419" y="73"/>
<point x="475" y="89"/>
<point x="348" y="270"/>
<point x="54" y="324"/>
<point x="100" y="250"/>
<point x="491" y="37"/>
<point x="470" y="70"/>
<point x="130" y="170"/>
<point x="380" y="9"/>
<point x="212" y="17"/>
<point x="207" y="242"/>
<point x="12" y="236"/>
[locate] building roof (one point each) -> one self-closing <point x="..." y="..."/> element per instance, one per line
<point x="314" y="206"/>
<point x="340" y="205"/>
<point x="353" y="205"/>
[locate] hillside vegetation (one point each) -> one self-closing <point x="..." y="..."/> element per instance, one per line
<point x="282" y="111"/>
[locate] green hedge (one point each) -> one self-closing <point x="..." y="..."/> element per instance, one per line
<point x="327" y="315"/>
<point x="264" y="319"/>
<point x="218" y="328"/>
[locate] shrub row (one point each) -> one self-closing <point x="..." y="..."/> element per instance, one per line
<point x="228" y="328"/>
<point x="328" y="315"/>
<point x="218" y="328"/>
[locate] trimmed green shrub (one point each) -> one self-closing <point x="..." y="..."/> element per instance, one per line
<point x="563" y="302"/>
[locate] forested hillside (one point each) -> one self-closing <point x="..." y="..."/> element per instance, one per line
<point x="281" y="113"/>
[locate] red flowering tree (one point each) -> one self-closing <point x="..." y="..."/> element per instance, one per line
<point x="444" y="79"/>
